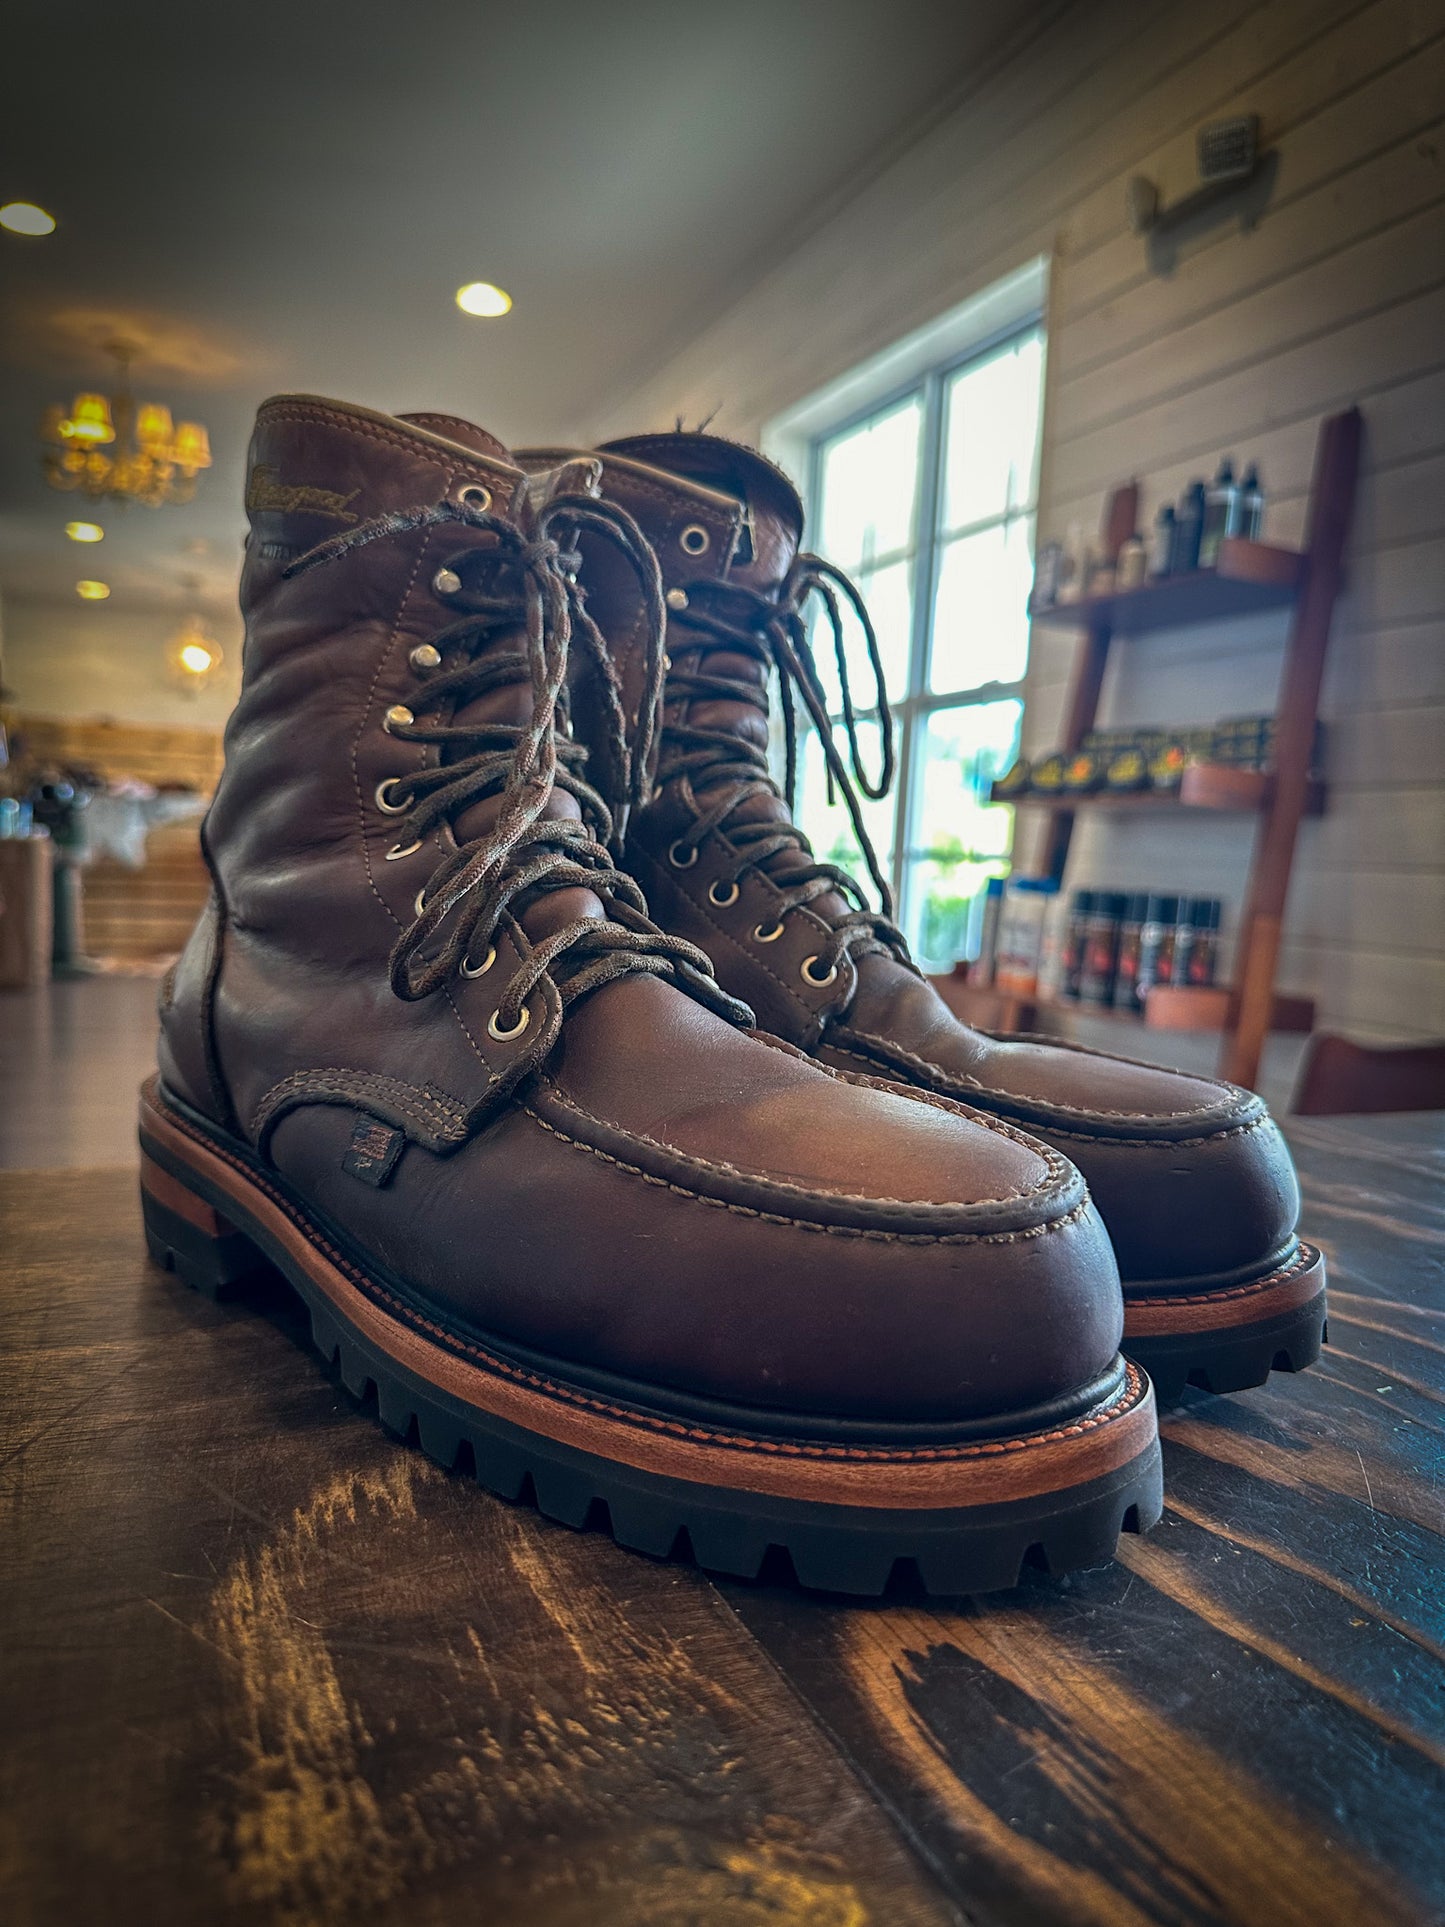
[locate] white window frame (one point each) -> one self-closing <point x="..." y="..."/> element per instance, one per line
<point x="922" y="364"/>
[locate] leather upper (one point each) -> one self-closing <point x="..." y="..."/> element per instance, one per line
<point x="667" y="1197"/>
<point x="1193" y="1178"/>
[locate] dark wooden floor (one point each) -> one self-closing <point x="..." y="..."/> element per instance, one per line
<point x="261" y="1664"/>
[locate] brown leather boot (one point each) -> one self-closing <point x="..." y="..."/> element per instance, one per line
<point x="1193" y="1179"/>
<point x="522" y="1159"/>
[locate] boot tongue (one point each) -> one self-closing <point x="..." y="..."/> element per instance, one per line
<point x="773" y="514"/>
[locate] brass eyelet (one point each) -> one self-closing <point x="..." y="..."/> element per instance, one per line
<point x="425" y="656"/>
<point x="446" y="582"/>
<point x="771" y="935"/>
<point x="481" y="969"/>
<point x="677" y="860"/>
<point x="722" y="894"/>
<point x="494" y="1029"/>
<point x="805" y="971"/>
<point x="419" y="904"/>
<point x="397" y="717"/>
<point x="384" y="802"/>
<point x="399" y="850"/>
<point x="676" y="598"/>
<point x="474" y="496"/>
<point x="694" y="540"/>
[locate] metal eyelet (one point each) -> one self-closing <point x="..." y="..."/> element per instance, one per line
<point x="481" y="969"/>
<point x="476" y="497"/>
<point x="383" y="801"/>
<point x="446" y="582"/>
<point x="805" y="971"/>
<point x="676" y="598"/>
<point x="722" y="894"/>
<point x="760" y="935"/>
<point x="399" y="850"/>
<point x="694" y="540"/>
<point x="419" y="903"/>
<point x="678" y="861"/>
<point x="397" y="717"/>
<point x="425" y="656"/>
<point x="494" y="1029"/>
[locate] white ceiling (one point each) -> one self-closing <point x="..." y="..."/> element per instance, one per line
<point x="285" y="197"/>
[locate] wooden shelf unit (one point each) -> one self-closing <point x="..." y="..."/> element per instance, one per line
<point x="1250" y="578"/>
<point x="1168" y="1007"/>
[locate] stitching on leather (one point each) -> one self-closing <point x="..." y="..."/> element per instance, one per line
<point x="433" y="1106"/>
<point x="374" y="431"/>
<point x="1053" y="1164"/>
<point x="808" y="1224"/>
<point x="1079" y="1137"/>
<point x="1134" y="1381"/>
<point x="1235" y="1098"/>
<point x="1163" y="1300"/>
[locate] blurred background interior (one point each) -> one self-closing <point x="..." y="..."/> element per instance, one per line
<point x="1056" y="312"/>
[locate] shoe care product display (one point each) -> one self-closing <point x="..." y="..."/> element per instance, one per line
<point x="1191" y="1176"/>
<point x="535" y="1174"/>
<point x="1185" y="536"/>
<point x="1101" y="948"/>
<point x="1127" y="758"/>
<point x="1119" y="946"/>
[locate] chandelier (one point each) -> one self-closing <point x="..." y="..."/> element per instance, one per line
<point x="110" y="446"/>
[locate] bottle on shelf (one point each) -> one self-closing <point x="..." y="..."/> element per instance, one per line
<point x="1021" y="934"/>
<point x="1251" y="505"/>
<point x="1156" y="945"/>
<point x="1221" y="513"/>
<point x="1101" y="949"/>
<point x="1075" y="936"/>
<point x="1161" y="547"/>
<point x="1196" y="941"/>
<point x="1132" y="566"/>
<point x="1131" y="938"/>
<point x="1188" y="530"/>
<point x="981" y="970"/>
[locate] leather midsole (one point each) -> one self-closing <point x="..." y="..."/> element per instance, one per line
<point x="980" y="1473"/>
<point x="1289" y="1288"/>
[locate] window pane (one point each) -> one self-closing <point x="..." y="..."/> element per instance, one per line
<point x="830" y="829"/>
<point x="888" y="594"/>
<point x="868" y="486"/>
<point x="960" y="838"/>
<point x="980" y="614"/>
<point x="991" y="435"/>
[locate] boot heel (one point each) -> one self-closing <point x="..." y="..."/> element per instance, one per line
<point x="190" y="1237"/>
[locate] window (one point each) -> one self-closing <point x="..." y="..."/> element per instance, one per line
<point x="929" y="501"/>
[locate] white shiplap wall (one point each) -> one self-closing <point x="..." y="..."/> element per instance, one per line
<point x="1337" y="295"/>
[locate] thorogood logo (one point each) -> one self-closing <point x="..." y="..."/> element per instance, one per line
<point x="266" y="490"/>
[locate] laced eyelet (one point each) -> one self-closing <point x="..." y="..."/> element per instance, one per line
<point x="722" y="894"/>
<point x="694" y="540"/>
<point x="420" y="902"/>
<point x="677" y="859"/>
<point x="805" y="971"/>
<point x="446" y="582"/>
<point x="397" y="717"/>
<point x="425" y="656"/>
<point x="476" y="497"/>
<point x="771" y="935"/>
<point x="383" y="800"/>
<point x="494" y="1029"/>
<point x="480" y="970"/>
<point x="399" y="850"/>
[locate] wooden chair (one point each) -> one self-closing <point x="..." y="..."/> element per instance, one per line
<point x="1339" y="1077"/>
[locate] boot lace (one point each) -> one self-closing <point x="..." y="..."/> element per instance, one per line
<point x="523" y="581"/>
<point x="731" y="770"/>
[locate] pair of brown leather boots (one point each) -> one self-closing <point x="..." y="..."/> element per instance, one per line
<point x="827" y="1277"/>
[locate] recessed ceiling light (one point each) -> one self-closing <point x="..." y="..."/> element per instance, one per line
<point x="23" y="217"/>
<point x="480" y="297"/>
<point x="91" y="591"/>
<point x="85" y="531"/>
<point x="197" y="658"/>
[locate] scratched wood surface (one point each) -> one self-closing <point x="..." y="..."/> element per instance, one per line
<point x="258" y="1663"/>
